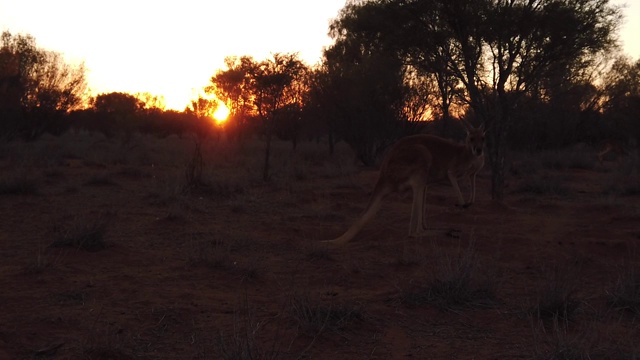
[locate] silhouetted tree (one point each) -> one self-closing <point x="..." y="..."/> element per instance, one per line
<point x="118" y="113"/>
<point x="268" y="91"/>
<point x="495" y="51"/>
<point x="48" y="87"/>
<point x="202" y="110"/>
<point x="621" y="105"/>
<point x="277" y="93"/>
<point x="365" y="97"/>
<point x="233" y="86"/>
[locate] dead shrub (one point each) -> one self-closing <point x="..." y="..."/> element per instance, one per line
<point x="458" y="284"/>
<point x="84" y="233"/>
<point x="625" y="294"/>
<point x="314" y="316"/>
<point x="249" y="339"/>
<point x="18" y="185"/>
<point x="557" y="298"/>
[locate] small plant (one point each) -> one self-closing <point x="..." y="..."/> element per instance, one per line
<point x="194" y="168"/>
<point x="557" y="297"/>
<point x="210" y="253"/>
<point x="525" y="168"/>
<point x="196" y="182"/>
<point x="82" y="233"/>
<point x="560" y="344"/>
<point x="104" y="342"/>
<point x="623" y="185"/>
<point x="18" y="185"/>
<point x="313" y="317"/>
<point x="244" y="341"/>
<point x="457" y="284"/>
<point x="103" y="179"/>
<point x="39" y="264"/>
<point x="625" y="294"/>
<point x="318" y="252"/>
<point x="544" y="185"/>
<point x="567" y="159"/>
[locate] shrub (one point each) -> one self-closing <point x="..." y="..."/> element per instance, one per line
<point x="83" y="233"/>
<point x="458" y="284"/>
<point x="625" y="294"/>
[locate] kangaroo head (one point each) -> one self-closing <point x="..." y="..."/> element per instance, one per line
<point x="475" y="139"/>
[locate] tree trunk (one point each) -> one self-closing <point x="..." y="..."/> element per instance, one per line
<point x="498" y="148"/>
<point x="267" y="153"/>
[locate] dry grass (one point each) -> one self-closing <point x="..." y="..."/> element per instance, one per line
<point x="460" y="282"/>
<point x="250" y="338"/>
<point x="557" y="298"/>
<point x="314" y="316"/>
<point x="544" y="185"/>
<point x="21" y="184"/>
<point x="179" y="260"/>
<point x="83" y="233"/>
<point x="625" y="294"/>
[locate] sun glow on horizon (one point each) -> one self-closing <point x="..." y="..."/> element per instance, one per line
<point x="221" y="114"/>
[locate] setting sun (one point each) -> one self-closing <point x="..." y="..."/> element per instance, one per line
<point x="221" y="114"/>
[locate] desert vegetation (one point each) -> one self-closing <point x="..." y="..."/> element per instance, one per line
<point x="130" y="231"/>
<point x="186" y="250"/>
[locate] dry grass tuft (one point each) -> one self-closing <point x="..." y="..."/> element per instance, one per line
<point x="249" y="338"/>
<point x="20" y="184"/>
<point x="557" y="298"/>
<point x="314" y="316"/>
<point x="84" y="233"/>
<point x="625" y="294"/>
<point x="459" y="283"/>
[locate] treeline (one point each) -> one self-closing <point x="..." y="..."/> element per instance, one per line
<point x="122" y="115"/>
<point x="539" y="74"/>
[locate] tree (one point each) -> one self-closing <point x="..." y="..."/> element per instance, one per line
<point x="47" y="86"/>
<point x="367" y="100"/>
<point x="278" y="92"/>
<point x="117" y="103"/>
<point x="493" y="52"/>
<point x="117" y="112"/>
<point x="621" y="105"/>
<point x="375" y="25"/>
<point x="269" y="91"/>
<point x="369" y="93"/>
<point x="233" y="87"/>
<point x="202" y="109"/>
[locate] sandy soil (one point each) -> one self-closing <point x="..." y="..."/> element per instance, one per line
<point x="233" y="267"/>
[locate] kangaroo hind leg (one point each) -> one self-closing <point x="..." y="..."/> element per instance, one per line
<point x="416" y="225"/>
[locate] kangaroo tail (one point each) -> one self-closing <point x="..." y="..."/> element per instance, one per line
<point x="374" y="205"/>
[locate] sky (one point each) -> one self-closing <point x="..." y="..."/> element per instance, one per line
<point x="172" y="49"/>
<point x="169" y="48"/>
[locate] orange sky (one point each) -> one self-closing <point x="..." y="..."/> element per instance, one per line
<point x="173" y="48"/>
<point x="169" y="48"/>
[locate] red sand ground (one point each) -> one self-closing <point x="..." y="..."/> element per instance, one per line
<point x="237" y="266"/>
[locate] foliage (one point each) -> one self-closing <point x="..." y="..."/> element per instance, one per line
<point x="458" y="284"/>
<point x="625" y="294"/>
<point x="83" y="233"/>
<point x="367" y="98"/>
<point x="621" y="104"/>
<point x="37" y="87"/>
<point x="270" y="92"/>
<point x="487" y="53"/>
<point x="233" y="87"/>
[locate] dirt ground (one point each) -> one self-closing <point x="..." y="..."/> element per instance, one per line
<point x="124" y="250"/>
